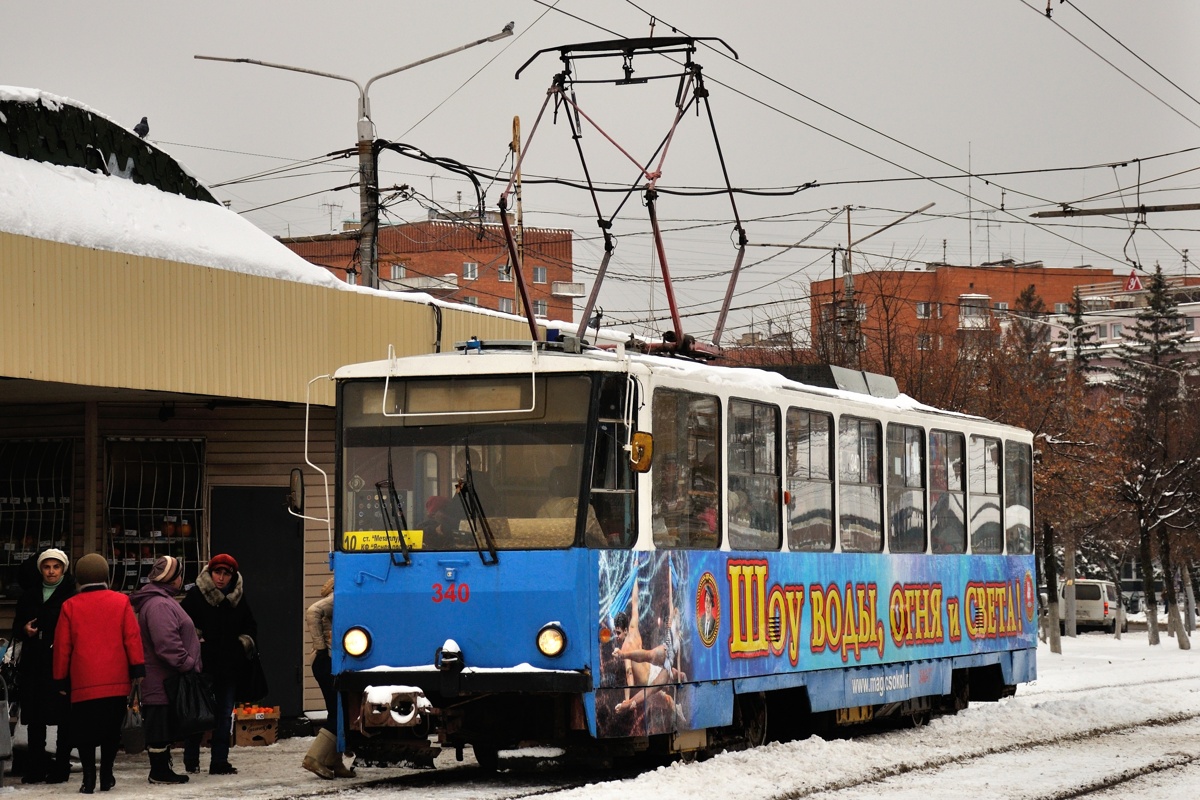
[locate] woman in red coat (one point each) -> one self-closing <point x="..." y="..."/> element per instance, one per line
<point x="98" y="654"/>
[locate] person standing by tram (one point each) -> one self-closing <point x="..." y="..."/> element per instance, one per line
<point x="323" y="758"/>
<point x="34" y="623"/>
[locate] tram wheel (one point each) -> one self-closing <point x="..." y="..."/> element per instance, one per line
<point x="487" y="756"/>
<point x="752" y="719"/>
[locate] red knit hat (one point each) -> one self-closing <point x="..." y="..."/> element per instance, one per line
<point x="435" y="504"/>
<point x="223" y="560"/>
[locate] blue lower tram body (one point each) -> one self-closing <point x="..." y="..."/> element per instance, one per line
<point x="665" y="642"/>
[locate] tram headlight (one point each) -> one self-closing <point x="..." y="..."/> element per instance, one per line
<point x="551" y="641"/>
<point x="356" y="641"/>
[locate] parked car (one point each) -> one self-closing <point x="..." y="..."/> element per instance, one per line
<point x="1096" y="605"/>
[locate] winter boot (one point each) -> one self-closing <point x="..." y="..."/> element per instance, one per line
<point x="160" y="768"/>
<point x="35" y="767"/>
<point x="337" y="763"/>
<point x="87" y="759"/>
<point x="60" y="770"/>
<point x="317" y="759"/>
<point x="108" y="757"/>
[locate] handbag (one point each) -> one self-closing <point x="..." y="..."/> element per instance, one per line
<point x="252" y="687"/>
<point x="133" y="734"/>
<point x="193" y="707"/>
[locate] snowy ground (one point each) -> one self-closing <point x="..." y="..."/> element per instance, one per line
<point x="1080" y="728"/>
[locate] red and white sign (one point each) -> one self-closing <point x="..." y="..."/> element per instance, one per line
<point x="1133" y="283"/>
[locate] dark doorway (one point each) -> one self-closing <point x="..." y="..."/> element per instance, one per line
<point x="251" y="523"/>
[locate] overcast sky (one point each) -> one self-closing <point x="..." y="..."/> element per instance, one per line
<point x="849" y="96"/>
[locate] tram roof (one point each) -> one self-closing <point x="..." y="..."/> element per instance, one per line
<point x="516" y="358"/>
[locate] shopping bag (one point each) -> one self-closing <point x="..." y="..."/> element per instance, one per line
<point x="133" y="734"/>
<point x="252" y="683"/>
<point x="192" y="704"/>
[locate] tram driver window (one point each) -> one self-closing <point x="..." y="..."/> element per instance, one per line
<point x="753" y="476"/>
<point x="906" y="489"/>
<point x="860" y="497"/>
<point x="947" y="492"/>
<point x="810" y="480"/>
<point x="613" y="482"/>
<point x="1018" y="496"/>
<point x="686" y="507"/>
<point x="984" y="497"/>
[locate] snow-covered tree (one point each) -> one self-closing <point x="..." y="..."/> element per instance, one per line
<point x="1164" y="472"/>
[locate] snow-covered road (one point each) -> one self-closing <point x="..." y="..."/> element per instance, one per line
<point x="1107" y="713"/>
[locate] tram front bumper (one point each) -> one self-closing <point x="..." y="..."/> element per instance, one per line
<point x="469" y="681"/>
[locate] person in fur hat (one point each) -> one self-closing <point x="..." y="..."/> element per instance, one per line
<point x="218" y="607"/>
<point x="34" y="622"/>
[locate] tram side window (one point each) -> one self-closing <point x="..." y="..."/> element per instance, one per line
<point x="860" y="496"/>
<point x="810" y="480"/>
<point x="1018" y="498"/>
<point x="684" y="479"/>
<point x="613" y="484"/>
<point x="947" y="492"/>
<point x="984" y="485"/>
<point x="906" y="489"/>
<point x="753" y="476"/>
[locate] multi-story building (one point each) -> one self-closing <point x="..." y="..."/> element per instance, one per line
<point x="454" y="257"/>
<point x="932" y="302"/>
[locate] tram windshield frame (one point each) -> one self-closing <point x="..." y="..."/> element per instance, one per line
<point x="467" y="463"/>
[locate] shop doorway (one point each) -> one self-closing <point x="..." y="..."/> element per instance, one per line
<point x="251" y="523"/>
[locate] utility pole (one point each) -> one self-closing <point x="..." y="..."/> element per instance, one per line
<point x="519" y="236"/>
<point x="368" y="183"/>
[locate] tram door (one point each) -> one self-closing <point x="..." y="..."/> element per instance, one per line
<point x="251" y="523"/>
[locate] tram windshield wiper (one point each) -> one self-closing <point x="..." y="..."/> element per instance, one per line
<point x="392" y="511"/>
<point x="475" y="516"/>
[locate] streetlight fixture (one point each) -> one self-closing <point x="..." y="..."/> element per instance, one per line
<point x="368" y="184"/>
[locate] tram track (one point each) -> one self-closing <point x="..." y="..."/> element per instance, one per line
<point x="1091" y="735"/>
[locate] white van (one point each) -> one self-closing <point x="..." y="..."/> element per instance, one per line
<point x="1096" y="604"/>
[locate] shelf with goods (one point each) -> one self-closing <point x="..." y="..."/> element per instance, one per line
<point x="35" y="505"/>
<point x="154" y="507"/>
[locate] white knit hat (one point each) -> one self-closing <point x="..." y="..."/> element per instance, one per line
<point x="53" y="552"/>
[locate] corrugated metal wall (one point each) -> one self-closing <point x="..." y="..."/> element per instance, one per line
<point x="80" y="316"/>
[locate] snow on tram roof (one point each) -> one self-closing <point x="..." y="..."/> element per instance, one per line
<point x="515" y="359"/>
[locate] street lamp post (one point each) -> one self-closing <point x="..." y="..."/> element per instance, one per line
<point x="368" y="184"/>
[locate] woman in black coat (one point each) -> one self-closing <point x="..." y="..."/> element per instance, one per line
<point x="218" y="607"/>
<point x="36" y="617"/>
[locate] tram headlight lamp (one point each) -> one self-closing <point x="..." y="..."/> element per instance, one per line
<point x="551" y="641"/>
<point x="356" y="641"/>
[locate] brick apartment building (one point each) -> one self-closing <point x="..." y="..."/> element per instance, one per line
<point x="935" y="301"/>
<point x="456" y="259"/>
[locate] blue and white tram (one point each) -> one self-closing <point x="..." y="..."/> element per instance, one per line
<point x="608" y="552"/>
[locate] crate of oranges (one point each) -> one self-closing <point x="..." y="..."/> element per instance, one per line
<point x="255" y="726"/>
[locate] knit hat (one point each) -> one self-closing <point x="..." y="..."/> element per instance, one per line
<point x="165" y="569"/>
<point x="92" y="568"/>
<point x="53" y="552"/>
<point x="435" y="504"/>
<point x="223" y="560"/>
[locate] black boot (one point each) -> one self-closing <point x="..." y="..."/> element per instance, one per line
<point x="87" y="759"/>
<point x="60" y="770"/>
<point x="108" y="755"/>
<point x="35" y="767"/>
<point x="160" y="768"/>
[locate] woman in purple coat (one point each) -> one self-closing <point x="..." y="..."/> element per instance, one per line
<point x="172" y="647"/>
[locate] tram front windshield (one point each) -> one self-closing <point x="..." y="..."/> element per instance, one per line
<point x="444" y="459"/>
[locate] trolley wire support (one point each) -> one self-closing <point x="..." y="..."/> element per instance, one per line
<point x="691" y="92"/>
